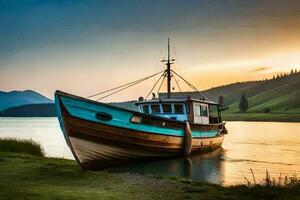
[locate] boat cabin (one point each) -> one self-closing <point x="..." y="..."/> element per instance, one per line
<point x="197" y="111"/>
<point x="191" y="110"/>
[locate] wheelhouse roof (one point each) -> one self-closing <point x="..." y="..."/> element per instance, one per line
<point x="154" y="101"/>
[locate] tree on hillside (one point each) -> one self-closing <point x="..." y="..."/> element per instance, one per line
<point x="243" y="103"/>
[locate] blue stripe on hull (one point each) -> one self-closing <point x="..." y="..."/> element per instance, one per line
<point x="121" y="118"/>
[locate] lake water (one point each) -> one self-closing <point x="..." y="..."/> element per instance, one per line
<point x="259" y="146"/>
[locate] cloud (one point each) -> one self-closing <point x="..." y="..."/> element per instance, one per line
<point x="260" y="69"/>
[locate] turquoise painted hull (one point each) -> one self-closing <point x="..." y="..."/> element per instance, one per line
<point x="121" y="118"/>
<point x="98" y="143"/>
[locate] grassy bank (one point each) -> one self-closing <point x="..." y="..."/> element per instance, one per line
<point x="271" y="117"/>
<point x="21" y="146"/>
<point x="48" y="178"/>
<point x="33" y="177"/>
<point x="30" y="175"/>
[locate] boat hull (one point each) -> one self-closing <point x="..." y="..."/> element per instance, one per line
<point x="98" y="144"/>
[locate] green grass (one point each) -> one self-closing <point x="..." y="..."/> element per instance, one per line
<point x="279" y="104"/>
<point x="272" y="117"/>
<point x="23" y="176"/>
<point x="21" y="146"/>
<point x="35" y="177"/>
<point x="288" y="103"/>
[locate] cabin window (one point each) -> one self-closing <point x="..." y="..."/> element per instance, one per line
<point x="178" y="108"/>
<point x="167" y="108"/>
<point x="198" y="110"/>
<point x="204" y="111"/>
<point x="155" y="108"/>
<point x="146" y="109"/>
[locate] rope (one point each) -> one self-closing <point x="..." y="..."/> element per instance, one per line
<point x="121" y="86"/>
<point x="161" y="84"/>
<point x="189" y="84"/>
<point x="178" y="86"/>
<point x="155" y="84"/>
<point x="119" y="90"/>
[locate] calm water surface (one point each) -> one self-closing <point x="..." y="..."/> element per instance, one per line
<point x="259" y="146"/>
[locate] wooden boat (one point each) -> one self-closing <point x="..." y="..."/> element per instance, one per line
<point x="101" y="135"/>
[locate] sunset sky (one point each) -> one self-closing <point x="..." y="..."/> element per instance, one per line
<point x="84" y="47"/>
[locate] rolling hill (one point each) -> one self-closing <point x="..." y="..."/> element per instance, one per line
<point x="281" y="95"/>
<point x="277" y="95"/>
<point x="18" y="98"/>
<point x="277" y="99"/>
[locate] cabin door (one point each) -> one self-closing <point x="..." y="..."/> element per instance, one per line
<point x="205" y="114"/>
<point x="197" y="113"/>
<point x="201" y="113"/>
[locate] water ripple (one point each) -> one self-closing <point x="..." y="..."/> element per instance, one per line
<point x="255" y="161"/>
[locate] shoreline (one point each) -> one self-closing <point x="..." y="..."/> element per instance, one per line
<point x="261" y="117"/>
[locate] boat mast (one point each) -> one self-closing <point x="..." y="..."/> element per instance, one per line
<point x="168" y="70"/>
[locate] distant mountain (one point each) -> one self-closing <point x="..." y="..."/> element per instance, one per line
<point x="18" y="98"/>
<point x="30" y="110"/>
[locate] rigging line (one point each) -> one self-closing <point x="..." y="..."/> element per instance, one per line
<point x="142" y="79"/>
<point x="178" y="86"/>
<point x="155" y="84"/>
<point x="161" y="84"/>
<point x="121" y="89"/>
<point x="193" y="87"/>
<point x="117" y="87"/>
<point x="189" y="84"/>
<point x="137" y="81"/>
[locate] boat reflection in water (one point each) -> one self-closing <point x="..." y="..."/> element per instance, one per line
<point x="207" y="167"/>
